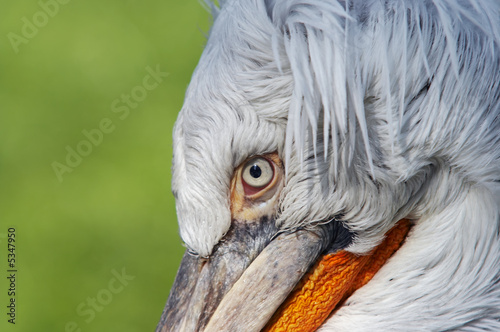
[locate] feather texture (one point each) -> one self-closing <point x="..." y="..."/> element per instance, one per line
<point x="380" y="110"/>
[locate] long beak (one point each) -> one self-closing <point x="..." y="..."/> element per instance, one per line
<point x="256" y="280"/>
<point x="232" y="287"/>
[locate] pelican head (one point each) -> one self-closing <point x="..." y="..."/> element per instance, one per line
<point x="337" y="168"/>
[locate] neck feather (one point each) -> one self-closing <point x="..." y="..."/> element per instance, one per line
<point x="445" y="277"/>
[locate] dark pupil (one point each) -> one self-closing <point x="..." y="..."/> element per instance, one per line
<point x="255" y="171"/>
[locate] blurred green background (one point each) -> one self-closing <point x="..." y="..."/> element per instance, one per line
<point x="64" y="67"/>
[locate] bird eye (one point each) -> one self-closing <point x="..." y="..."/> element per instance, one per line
<point x="258" y="173"/>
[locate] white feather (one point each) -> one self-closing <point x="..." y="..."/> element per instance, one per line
<point x="381" y="110"/>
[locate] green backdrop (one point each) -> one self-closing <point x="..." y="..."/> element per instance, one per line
<point x="89" y="92"/>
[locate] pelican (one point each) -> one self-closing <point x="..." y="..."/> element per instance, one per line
<point x="337" y="168"/>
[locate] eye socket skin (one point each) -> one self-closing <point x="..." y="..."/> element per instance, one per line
<point x="257" y="173"/>
<point x="255" y="187"/>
